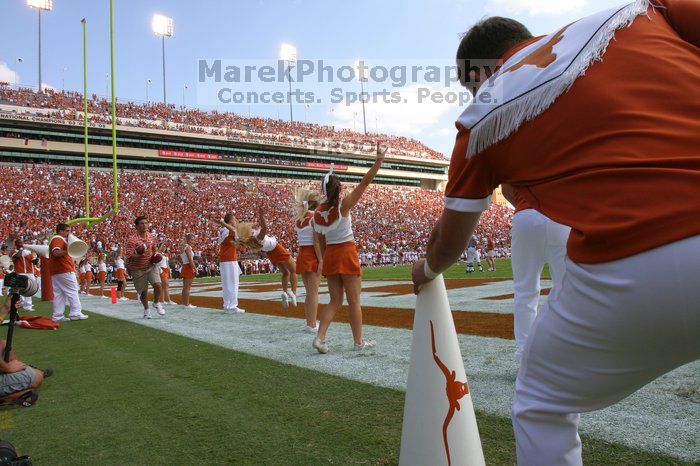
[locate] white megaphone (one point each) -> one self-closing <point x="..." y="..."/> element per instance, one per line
<point x="77" y="248"/>
<point x="38" y="249"/>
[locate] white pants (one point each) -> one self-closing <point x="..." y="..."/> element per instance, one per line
<point x="26" y="301"/>
<point x="608" y="330"/>
<point x="229" y="282"/>
<point x="535" y="241"/>
<point x="473" y="255"/>
<point x="65" y="291"/>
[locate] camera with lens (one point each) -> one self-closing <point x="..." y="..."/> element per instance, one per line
<point x="22" y="284"/>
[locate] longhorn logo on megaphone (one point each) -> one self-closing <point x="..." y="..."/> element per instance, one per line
<point x="38" y="249"/>
<point x="77" y="248"/>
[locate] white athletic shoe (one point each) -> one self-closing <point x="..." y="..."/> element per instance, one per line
<point x="159" y="308"/>
<point x="321" y="346"/>
<point x="285" y="300"/>
<point x="366" y="344"/>
<point x="80" y="316"/>
<point x="293" y="299"/>
<point x="190" y="306"/>
<point x="123" y="298"/>
<point x="61" y="319"/>
<point x="238" y="310"/>
<point x="312" y="330"/>
<point x="171" y="302"/>
<point x="104" y="297"/>
<point x="147" y="314"/>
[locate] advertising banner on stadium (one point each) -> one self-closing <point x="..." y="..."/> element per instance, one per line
<point x="187" y="155"/>
<point x="326" y="166"/>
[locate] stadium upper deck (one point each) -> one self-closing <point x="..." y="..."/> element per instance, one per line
<point x="48" y="127"/>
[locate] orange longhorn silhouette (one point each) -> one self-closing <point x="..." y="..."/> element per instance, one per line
<point x="454" y="389"/>
<point x="543" y="56"/>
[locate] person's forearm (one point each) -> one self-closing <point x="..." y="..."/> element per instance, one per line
<point x="369" y="176"/>
<point x="447" y="241"/>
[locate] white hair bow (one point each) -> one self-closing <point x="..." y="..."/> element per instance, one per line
<point x="326" y="179"/>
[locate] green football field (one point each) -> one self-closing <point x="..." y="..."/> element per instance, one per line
<point x="128" y="394"/>
<point x="403" y="272"/>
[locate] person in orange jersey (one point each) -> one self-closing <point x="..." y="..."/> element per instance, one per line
<point x="597" y="127"/>
<point x="255" y="237"/>
<point x="188" y="272"/>
<point x="102" y="274"/>
<point x="309" y="258"/>
<point x="22" y="260"/>
<point x="63" y="280"/>
<point x="341" y="264"/>
<point x="120" y="275"/>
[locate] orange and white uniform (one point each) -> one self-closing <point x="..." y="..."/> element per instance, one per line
<point x="63" y="280"/>
<point x="274" y="250"/>
<point x="187" y="267"/>
<point x="340" y="255"/>
<point x="615" y="155"/>
<point x="164" y="266"/>
<point x="120" y="270"/>
<point x="230" y="271"/>
<point x="101" y="271"/>
<point x="306" y="258"/>
<point x="22" y="262"/>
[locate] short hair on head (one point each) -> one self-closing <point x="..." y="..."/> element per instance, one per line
<point x="61" y="226"/>
<point x="139" y="218"/>
<point x="489" y="39"/>
<point x="227" y="218"/>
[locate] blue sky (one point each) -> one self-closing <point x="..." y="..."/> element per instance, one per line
<point x="377" y="30"/>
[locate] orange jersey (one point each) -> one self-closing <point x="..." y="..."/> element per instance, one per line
<point x="58" y="265"/>
<point x="616" y="157"/>
<point x="23" y="263"/>
<point x="227" y="251"/>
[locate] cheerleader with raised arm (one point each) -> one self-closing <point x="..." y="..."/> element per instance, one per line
<point x="341" y="264"/>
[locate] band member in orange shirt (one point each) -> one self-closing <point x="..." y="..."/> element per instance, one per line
<point x="63" y="280"/>
<point x="309" y="259"/>
<point x="341" y="264"/>
<point x="187" y="273"/>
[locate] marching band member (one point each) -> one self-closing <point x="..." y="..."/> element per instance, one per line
<point x="102" y="274"/>
<point x="309" y="258"/>
<point x="187" y="272"/>
<point x="23" y="262"/>
<point x="62" y="270"/>
<point x="120" y="275"/>
<point x="341" y="265"/>
<point x="228" y="263"/>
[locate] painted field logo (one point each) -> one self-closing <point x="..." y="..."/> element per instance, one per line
<point x="455" y="391"/>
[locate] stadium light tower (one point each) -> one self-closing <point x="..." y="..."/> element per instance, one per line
<point x="39" y="6"/>
<point x="288" y="54"/>
<point x="360" y="66"/>
<point x="163" y="27"/>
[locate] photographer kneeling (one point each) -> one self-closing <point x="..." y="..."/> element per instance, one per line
<point x="16" y="376"/>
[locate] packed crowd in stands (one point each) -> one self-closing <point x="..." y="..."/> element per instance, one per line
<point x="68" y="105"/>
<point x="392" y="224"/>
